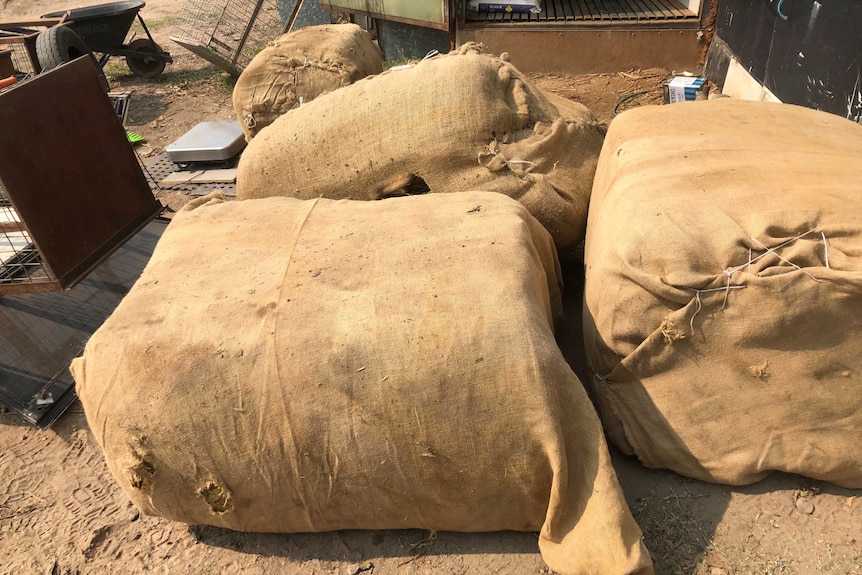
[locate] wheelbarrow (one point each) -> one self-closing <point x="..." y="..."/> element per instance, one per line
<point x="103" y="28"/>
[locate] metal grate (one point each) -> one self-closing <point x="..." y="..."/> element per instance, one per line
<point x="593" y="10"/>
<point x="19" y="260"/>
<point x="228" y="33"/>
<point x="160" y="167"/>
<point x="41" y="333"/>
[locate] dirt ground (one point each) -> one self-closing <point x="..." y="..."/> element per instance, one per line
<point x="61" y="512"/>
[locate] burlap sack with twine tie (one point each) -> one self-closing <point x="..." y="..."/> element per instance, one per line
<point x="723" y="301"/>
<point x="357" y="365"/>
<point x="452" y="123"/>
<point x="300" y="66"/>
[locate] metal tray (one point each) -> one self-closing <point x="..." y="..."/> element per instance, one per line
<point x="208" y="142"/>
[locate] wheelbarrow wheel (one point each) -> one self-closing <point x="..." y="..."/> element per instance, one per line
<point x="60" y="44"/>
<point x="144" y="66"/>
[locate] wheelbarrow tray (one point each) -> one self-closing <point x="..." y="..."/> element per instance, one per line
<point x="103" y="27"/>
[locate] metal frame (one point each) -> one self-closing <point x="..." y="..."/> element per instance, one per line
<point x="122" y="51"/>
<point x="216" y="44"/>
<point x="19" y="36"/>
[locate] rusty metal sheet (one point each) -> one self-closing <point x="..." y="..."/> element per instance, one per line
<point x="69" y="171"/>
<point x="590" y="49"/>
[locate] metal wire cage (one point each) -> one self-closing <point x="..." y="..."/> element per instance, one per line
<point x="21" y="42"/>
<point x="23" y="59"/>
<point x="19" y="259"/>
<point x="227" y="33"/>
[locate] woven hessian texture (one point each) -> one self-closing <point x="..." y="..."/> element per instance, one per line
<point x="453" y="123"/>
<point x="300" y="66"/>
<point x="723" y="306"/>
<point x="334" y="365"/>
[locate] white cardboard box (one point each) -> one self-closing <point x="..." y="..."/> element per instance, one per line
<point x="683" y="89"/>
<point x="532" y="6"/>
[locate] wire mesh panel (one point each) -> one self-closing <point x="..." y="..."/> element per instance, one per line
<point x="41" y="333"/>
<point x="21" y="59"/>
<point x="22" y="43"/>
<point x="228" y="33"/>
<point x="19" y="260"/>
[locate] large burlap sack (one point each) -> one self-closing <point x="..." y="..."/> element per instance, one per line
<point x="723" y="299"/>
<point x="300" y="66"/>
<point x="356" y="365"/>
<point x="458" y="122"/>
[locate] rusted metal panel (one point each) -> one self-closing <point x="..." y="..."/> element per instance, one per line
<point x="23" y="46"/>
<point x="588" y="50"/>
<point x="69" y="171"/>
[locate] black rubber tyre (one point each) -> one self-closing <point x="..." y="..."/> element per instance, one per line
<point x="144" y="66"/>
<point x="60" y="44"/>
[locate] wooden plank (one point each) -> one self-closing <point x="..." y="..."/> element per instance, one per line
<point x="626" y="10"/>
<point x="646" y="10"/>
<point x="657" y="9"/>
<point x="675" y="8"/>
<point x="594" y="13"/>
<point x="11" y="227"/>
<point x="577" y="9"/>
<point x="15" y="39"/>
<point x="601" y="11"/>
<point x="219" y="176"/>
<point x="175" y="178"/>
<point x="46" y="22"/>
<point x="564" y="10"/>
<point x="612" y="9"/>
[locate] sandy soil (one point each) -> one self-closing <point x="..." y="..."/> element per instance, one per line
<point x="61" y="512"/>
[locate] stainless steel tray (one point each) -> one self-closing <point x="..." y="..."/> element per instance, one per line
<point x="214" y="141"/>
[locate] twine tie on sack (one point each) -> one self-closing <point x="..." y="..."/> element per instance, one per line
<point x="699" y="303"/>
<point x="747" y="265"/>
<point x="825" y="251"/>
<point x="491" y="150"/>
